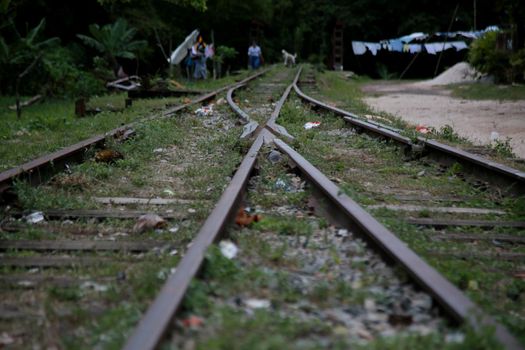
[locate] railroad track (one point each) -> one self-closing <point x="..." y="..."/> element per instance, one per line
<point x="92" y="245"/>
<point x="42" y="168"/>
<point x="304" y="215"/>
<point x="305" y="272"/>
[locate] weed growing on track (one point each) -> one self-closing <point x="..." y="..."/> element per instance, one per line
<point x="372" y="171"/>
<point x="51" y="125"/>
<point x="181" y="157"/>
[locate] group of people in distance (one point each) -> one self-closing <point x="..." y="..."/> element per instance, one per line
<point x="200" y="52"/>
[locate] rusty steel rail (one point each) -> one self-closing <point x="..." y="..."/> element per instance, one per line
<point x="251" y="125"/>
<point x="271" y="123"/>
<point x="42" y="168"/>
<point x="155" y="322"/>
<point x="449" y="297"/>
<point x="512" y="180"/>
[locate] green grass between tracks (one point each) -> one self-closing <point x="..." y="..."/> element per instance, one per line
<point x="50" y="125"/>
<point x="370" y="172"/>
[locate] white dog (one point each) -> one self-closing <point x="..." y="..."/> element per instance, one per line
<point x="289" y="58"/>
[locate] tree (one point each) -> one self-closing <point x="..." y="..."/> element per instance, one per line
<point x="114" y="40"/>
<point x="24" y="52"/>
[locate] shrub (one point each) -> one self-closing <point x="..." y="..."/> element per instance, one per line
<point x="65" y="78"/>
<point x="505" y="66"/>
<point x="517" y="61"/>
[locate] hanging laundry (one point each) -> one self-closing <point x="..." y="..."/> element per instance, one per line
<point x="396" y="45"/>
<point x="413" y="36"/>
<point x="438" y="47"/>
<point x="209" y="51"/>
<point x="373" y="47"/>
<point x="459" y="45"/>
<point x="431" y="50"/>
<point x="414" y="48"/>
<point x="358" y="47"/>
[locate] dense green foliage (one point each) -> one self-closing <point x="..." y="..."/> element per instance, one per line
<point x="504" y="65"/>
<point x="139" y="35"/>
<point x="114" y="40"/>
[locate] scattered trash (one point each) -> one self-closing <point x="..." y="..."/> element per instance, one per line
<point x="275" y="156"/>
<point x="22" y="132"/>
<point x="494" y="136"/>
<point x="473" y="285"/>
<point x="108" y="156"/>
<point x="311" y="125"/>
<point x="257" y="303"/>
<point x="168" y="192"/>
<point x="173" y="252"/>
<point x="497" y="243"/>
<point x="35" y="218"/>
<point x="126" y="83"/>
<point x="174" y="229"/>
<point x="221" y="101"/>
<point x="192" y="211"/>
<point x="421" y="173"/>
<point x="6" y="339"/>
<point x="370" y="304"/>
<point x="149" y="221"/>
<point x="281" y="184"/>
<point x="351" y="75"/>
<point x="342" y="232"/>
<point x="228" y="249"/>
<point x="164" y="273"/>
<point x="26" y="284"/>
<point x="456" y="337"/>
<point x="159" y="150"/>
<point x="244" y="219"/>
<point x="422" y="129"/>
<point x="193" y="322"/>
<point x="94" y="286"/>
<point x="205" y="111"/>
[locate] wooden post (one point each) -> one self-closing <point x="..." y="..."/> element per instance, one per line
<point x="80" y="107"/>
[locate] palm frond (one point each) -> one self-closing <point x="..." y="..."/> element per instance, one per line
<point x="89" y="41"/>
<point x="33" y="33"/>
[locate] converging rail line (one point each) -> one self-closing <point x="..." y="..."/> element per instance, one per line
<point x="348" y="222"/>
<point x="154" y="325"/>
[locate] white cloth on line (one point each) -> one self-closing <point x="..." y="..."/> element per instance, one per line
<point x="430" y="49"/>
<point x="358" y="47"/>
<point x="413" y="48"/>
<point x="459" y="45"/>
<point x="373" y="47"/>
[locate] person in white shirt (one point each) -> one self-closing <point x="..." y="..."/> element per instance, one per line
<point x="255" y="56"/>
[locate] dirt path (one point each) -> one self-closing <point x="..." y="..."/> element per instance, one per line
<point x="433" y="106"/>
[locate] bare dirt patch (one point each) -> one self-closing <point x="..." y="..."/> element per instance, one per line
<point x="429" y="105"/>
